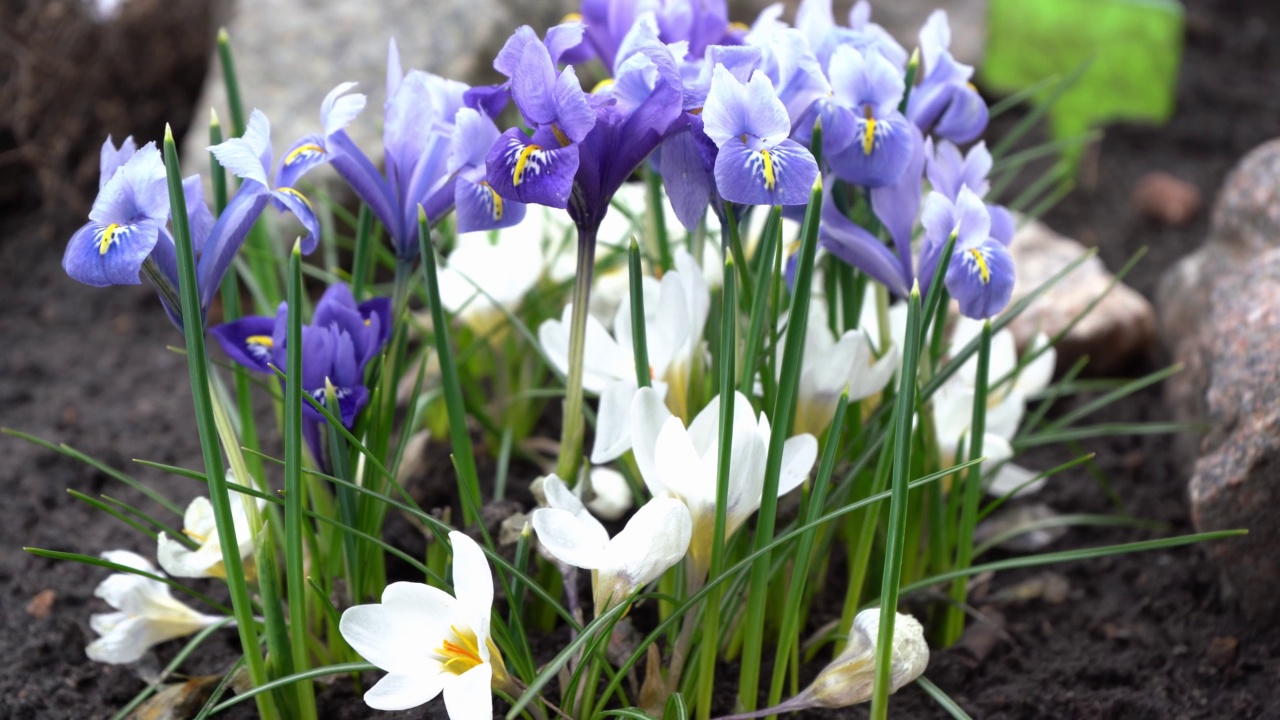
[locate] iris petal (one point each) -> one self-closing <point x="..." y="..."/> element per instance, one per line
<point x="778" y="175"/>
<point x="101" y="255"/>
<point x="980" y="278"/>
<point x="880" y="152"/>
<point x="520" y="170"/>
<point x="248" y="341"/>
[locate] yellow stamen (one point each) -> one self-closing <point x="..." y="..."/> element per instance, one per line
<point x="739" y="26"/>
<point x="497" y="201"/>
<point x="983" y="270"/>
<point x="459" y="658"/>
<point x="560" y="136"/>
<point x="302" y="149"/>
<point x="108" y="237"/>
<point x="518" y="176"/>
<point x="769" y="179"/>
<point x="264" y="340"/>
<point x="604" y="84"/>
<point x="300" y="196"/>
<point x="869" y="135"/>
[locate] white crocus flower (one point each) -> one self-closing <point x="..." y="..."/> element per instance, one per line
<point x="681" y="463"/>
<point x="655" y="539"/>
<point x="830" y="366"/>
<point x="675" y="315"/>
<point x="850" y="678"/>
<point x="146" y="613"/>
<point x="199" y="525"/>
<point x="431" y="642"/>
<point x="490" y="271"/>
<point x="1006" y="403"/>
<point x="609" y="495"/>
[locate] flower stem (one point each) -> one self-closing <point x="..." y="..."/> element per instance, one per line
<point x="573" y="423"/>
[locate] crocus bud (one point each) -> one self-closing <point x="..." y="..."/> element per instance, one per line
<point x="850" y="678"/>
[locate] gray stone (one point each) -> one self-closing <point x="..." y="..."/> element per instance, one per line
<point x="1236" y="483"/>
<point x="1121" y="326"/>
<point x="1245" y="224"/>
<point x="290" y="53"/>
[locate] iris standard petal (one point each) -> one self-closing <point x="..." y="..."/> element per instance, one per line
<point x="519" y="169"/>
<point x="111" y="159"/>
<point x="780" y="175"/>
<point x="725" y="113"/>
<point x="243" y="156"/>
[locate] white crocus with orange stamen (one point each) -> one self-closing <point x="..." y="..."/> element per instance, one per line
<point x="199" y="525"/>
<point x="833" y="365"/>
<point x="675" y="314"/>
<point x="431" y="642"/>
<point x="654" y="540"/>
<point x="146" y="613"/>
<point x="682" y="463"/>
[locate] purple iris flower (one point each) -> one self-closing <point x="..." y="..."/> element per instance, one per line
<point x="757" y="163"/>
<point x="127" y="232"/>
<point x="434" y="148"/>
<point x="559" y="42"/>
<point x="700" y="23"/>
<point x="585" y="146"/>
<point x="865" y="140"/>
<point x="816" y="20"/>
<point x="981" y="273"/>
<point x="336" y="347"/>
<point x="949" y="170"/>
<point x="126" y="219"/>
<point x="945" y="104"/>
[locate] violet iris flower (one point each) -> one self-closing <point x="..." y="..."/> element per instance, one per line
<point x="866" y="140"/>
<point x="757" y="163"/>
<point x="336" y="347"/>
<point x="585" y="146"/>
<point x="434" y="148"/>
<point x="127" y="233"/>
<point x="949" y="170"/>
<point x="981" y="273"/>
<point x="816" y="20"/>
<point x="700" y="23"/>
<point x="945" y="104"/>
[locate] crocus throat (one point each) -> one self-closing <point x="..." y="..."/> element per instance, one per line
<point x="459" y="657"/>
<point x="308" y="149"/>
<point x="517" y="176"/>
<point x="300" y="196"/>
<point x="497" y="202"/>
<point x="981" y="260"/>
<point x="869" y="133"/>
<point x="108" y="238"/>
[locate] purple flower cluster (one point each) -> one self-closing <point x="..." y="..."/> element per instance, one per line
<point x="336" y="347"/>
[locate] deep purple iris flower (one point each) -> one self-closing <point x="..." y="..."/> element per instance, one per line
<point x="336" y="347"/>
<point x="434" y="149"/>
<point x="127" y="231"/>
<point x="584" y="146"/>
<point x="945" y="104"/>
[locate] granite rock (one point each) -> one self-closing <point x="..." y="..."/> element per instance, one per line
<point x="1236" y="481"/>
<point x="1115" y="332"/>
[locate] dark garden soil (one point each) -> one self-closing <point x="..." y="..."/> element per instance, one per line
<point x="1136" y="636"/>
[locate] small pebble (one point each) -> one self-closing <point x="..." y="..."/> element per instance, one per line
<point x="42" y="603"/>
<point x="1222" y="651"/>
<point x="1166" y="199"/>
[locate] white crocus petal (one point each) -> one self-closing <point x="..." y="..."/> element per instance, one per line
<point x="147" y="613"/>
<point x="603" y="359"/>
<point x="491" y="271"/>
<point x="798" y="455"/>
<point x="468" y="697"/>
<point x="667" y="324"/>
<point x="473" y="585"/>
<point x="1038" y="373"/>
<point x="849" y="679"/>
<point x="610" y="496"/>
<point x="400" y="692"/>
<point x="401" y="634"/>
<point x="568" y="539"/>
<point x="648" y="416"/>
<point x="871" y="380"/>
<point x="199" y="524"/>
<point x="560" y="497"/>
<point x="1005" y="414"/>
<point x="655" y="539"/>
<point x="696" y="293"/>
<point x="1011" y="478"/>
<point x="613" y="429"/>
